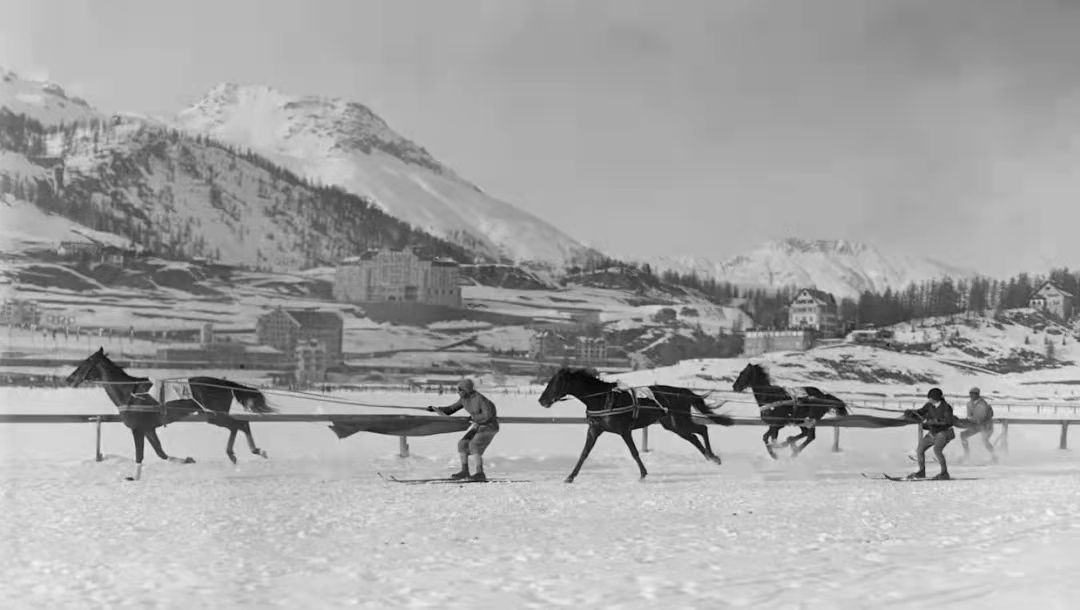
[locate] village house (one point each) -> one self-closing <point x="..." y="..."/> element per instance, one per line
<point x="814" y="309"/>
<point x="16" y="312"/>
<point x="286" y="329"/>
<point x="757" y="342"/>
<point x="311" y="363"/>
<point x="379" y="276"/>
<point x="78" y="249"/>
<point x="1052" y="299"/>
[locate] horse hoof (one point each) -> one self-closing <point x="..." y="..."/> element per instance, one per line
<point x="130" y="479"/>
<point x="189" y="460"/>
<point x="261" y="453"/>
<point x="232" y="457"/>
<point x="568" y="480"/>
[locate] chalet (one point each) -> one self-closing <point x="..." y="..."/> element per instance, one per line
<point x="1052" y="299"/>
<point x="78" y="249"/>
<point x="286" y="329"/>
<point x="814" y="309"/>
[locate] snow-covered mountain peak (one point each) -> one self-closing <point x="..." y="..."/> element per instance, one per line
<point x="44" y="101"/>
<point x="343" y="143"/>
<point x="842" y="267"/>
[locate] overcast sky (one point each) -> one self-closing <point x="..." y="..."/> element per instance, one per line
<point x="949" y="128"/>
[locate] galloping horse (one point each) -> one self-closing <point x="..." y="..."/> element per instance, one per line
<point x="144" y="414"/>
<point x="610" y="408"/>
<point x="779" y="407"/>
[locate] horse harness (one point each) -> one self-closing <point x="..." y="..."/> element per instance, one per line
<point x="635" y="406"/>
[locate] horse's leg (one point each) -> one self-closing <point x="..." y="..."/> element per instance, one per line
<point x="770" y="435"/>
<point x="246" y="427"/>
<point x="810" y="433"/>
<point x="703" y="430"/>
<point x="138" y="437"/>
<point x="155" y="442"/>
<point x="229" y="445"/>
<point x="590" y="440"/>
<point x="629" y="440"/>
<point x="686" y="431"/>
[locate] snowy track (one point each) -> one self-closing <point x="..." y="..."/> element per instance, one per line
<point x="314" y="526"/>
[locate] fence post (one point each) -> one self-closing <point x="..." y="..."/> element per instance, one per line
<point x="403" y="446"/>
<point x="645" y="439"/>
<point x="1005" y="436"/>
<point x="836" y="439"/>
<point x="1064" y="443"/>
<point x="97" y="448"/>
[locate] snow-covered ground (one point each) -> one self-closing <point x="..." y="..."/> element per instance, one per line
<point x="314" y="526"/>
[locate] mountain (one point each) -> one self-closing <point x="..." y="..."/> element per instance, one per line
<point x="47" y="102"/>
<point x="843" y="268"/>
<point x="174" y="194"/>
<point x="343" y="143"/>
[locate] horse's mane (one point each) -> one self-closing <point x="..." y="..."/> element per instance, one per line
<point x="762" y="372"/>
<point x="588" y="373"/>
<point x="116" y="368"/>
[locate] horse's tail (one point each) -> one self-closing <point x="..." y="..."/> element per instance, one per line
<point x="839" y="406"/>
<point x="710" y="412"/>
<point x="252" y="399"/>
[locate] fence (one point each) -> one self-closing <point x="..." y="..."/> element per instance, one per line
<point x="835" y="424"/>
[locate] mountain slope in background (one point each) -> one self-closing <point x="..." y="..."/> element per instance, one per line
<point x="342" y="143"/>
<point x="843" y="268"/>
<point x="176" y="195"/>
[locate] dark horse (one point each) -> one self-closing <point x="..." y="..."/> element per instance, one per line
<point x="144" y="413"/>
<point x="610" y="408"/>
<point x="780" y="408"/>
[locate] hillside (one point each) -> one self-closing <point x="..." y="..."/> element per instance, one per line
<point x="186" y="197"/>
<point x="345" y="144"/>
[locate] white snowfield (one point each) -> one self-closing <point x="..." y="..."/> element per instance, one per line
<point x="314" y="526"/>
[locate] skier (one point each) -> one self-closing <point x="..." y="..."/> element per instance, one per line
<point x="981" y="415"/>
<point x="485" y="425"/>
<point x="937" y="419"/>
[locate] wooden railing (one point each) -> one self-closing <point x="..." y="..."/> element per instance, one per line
<point x="834" y="423"/>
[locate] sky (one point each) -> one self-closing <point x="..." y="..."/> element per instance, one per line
<point x="947" y="129"/>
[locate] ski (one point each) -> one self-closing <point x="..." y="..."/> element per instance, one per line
<point x="889" y="477"/>
<point x="435" y="481"/>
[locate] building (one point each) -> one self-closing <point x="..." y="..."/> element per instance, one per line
<point x="814" y="309"/>
<point x="225" y="355"/>
<point x="1052" y="299"/>
<point x="592" y="350"/>
<point x="547" y="345"/>
<point x="757" y="342"/>
<point x="286" y="329"/>
<point x="391" y="276"/>
<point x="20" y="312"/>
<point x="311" y="363"/>
<point x="78" y="249"/>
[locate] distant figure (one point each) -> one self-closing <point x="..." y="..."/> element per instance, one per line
<point x="981" y="415"/>
<point x="485" y="425"/>
<point x="937" y="419"/>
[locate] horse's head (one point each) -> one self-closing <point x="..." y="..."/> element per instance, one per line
<point x="556" y="388"/>
<point x="579" y="383"/>
<point x="89" y="369"/>
<point x="752" y="375"/>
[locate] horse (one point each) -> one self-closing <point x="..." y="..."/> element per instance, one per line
<point x="609" y="408"/>
<point x="143" y="413"/>
<point x="779" y="407"/>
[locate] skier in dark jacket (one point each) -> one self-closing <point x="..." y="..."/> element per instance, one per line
<point x="937" y="419"/>
<point x="485" y="425"/>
